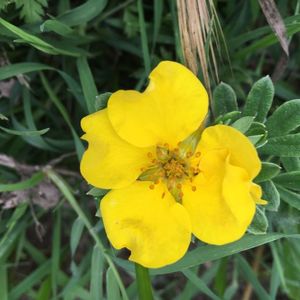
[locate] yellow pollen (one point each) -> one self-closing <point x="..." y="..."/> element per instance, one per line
<point x="149" y="154"/>
<point x="156" y="181"/>
<point x="154" y="161"/>
<point x="179" y="186"/>
<point x="166" y="145"/>
<point x="198" y="154"/>
<point x="194" y="188"/>
<point x="151" y="186"/>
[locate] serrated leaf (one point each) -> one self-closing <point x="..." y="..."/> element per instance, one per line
<point x="259" y="99"/>
<point x="224" y="100"/>
<point x="271" y="194"/>
<point x="243" y="124"/>
<point x="101" y="100"/>
<point x="291" y="198"/>
<point x="287" y="145"/>
<point x="285" y="119"/>
<point x="259" y="224"/>
<point x="268" y="171"/>
<point x="289" y="180"/>
<point x="31" y="10"/>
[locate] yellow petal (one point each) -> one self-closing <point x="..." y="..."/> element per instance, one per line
<point x="109" y="162"/>
<point x="242" y="153"/>
<point x="256" y="194"/>
<point x="221" y="208"/>
<point x="154" y="227"/>
<point x="171" y="108"/>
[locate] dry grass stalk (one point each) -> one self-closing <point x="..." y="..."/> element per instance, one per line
<point x="199" y="28"/>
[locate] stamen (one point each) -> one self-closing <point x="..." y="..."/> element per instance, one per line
<point x="154" y="161"/>
<point x="166" y="145"/>
<point x="194" y="188"/>
<point x="179" y="186"/>
<point x="189" y="154"/>
<point x="156" y="181"/>
<point x="181" y="194"/>
<point x="151" y="186"/>
<point x="163" y="195"/>
<point x="149" y="154"/>
<point x="198" y="154"/>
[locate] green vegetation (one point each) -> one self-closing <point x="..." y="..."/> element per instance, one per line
<point x="59" y="60"/>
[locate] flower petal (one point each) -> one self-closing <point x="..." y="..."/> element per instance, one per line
<point x="171" y="108"/>
<point x="242" y="153"/>
<point x="256" y="194"/>
<point x="221" y="208"/>
<point x="154" y="227"/>
<point x="109" y="162"/>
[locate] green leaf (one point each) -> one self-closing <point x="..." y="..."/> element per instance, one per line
<point x="101" y="100"/>
<point x="3" y="282"/>
<point x="291" y="163"/>
<point x="291" y="198"/>
<point x="289" y="180"/>
<point x="112" y="288"/>
<point x="287" y="145"/>
<point x="243" y="124"/>
<point x="18" y="213"/>
<point x="259" y="223"/>
<point x="224" y="100"/>
<point x="97" y="271"/>
<point x="76" y="232"/>
<point x="271" y="195"/>
<point x="96" y="192"/>
<point x="259" y="99"/>
<point x="200" y="284"/>
<point x="83" y="13"/>
<point x="285" y="118"/>
<point x="34" y="41"/>
<point x="88" y="85"/>
<point x="31" y="10"/>
<point x="250" y="276"/>
<point x="268" y="171"/>
<point x="210" y="252"/>
<point x="25" y="132"/>
<point x="228" y="118"/>
<point x="22" y="185"/>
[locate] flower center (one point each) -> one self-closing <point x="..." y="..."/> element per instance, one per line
<point x="174" y="167"/>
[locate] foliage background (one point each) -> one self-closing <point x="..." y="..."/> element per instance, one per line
<point x="56" y="57"/>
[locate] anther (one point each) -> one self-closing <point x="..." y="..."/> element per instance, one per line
<point x="181" y="194"/>
<point x="149" y="154"/>
<point x="156" y="181"/>
<point x="166" y="145"/>
<point x="179" y="186"/>
<point x="198" y="154"/>
<point x="194" y="188"/>
<point x="154" y="161"/>
<point x="151" y="186"/>
<point x="189" y="154"/>
<point x="163" y="195"/>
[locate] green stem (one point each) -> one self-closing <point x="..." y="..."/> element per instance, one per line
<point x="143" y="283"/>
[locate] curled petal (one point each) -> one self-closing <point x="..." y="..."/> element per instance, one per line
<point x="148" y="222"/>
<point x="173" y="106"/>
<point x="109" y="162"/>
<point x="221" y="208"/>
<point x="242" y="153"/>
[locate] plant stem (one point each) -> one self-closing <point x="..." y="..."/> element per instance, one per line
<point x="143" y="283"/>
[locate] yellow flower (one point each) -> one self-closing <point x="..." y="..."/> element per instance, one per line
<point x="165" y="183"/>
